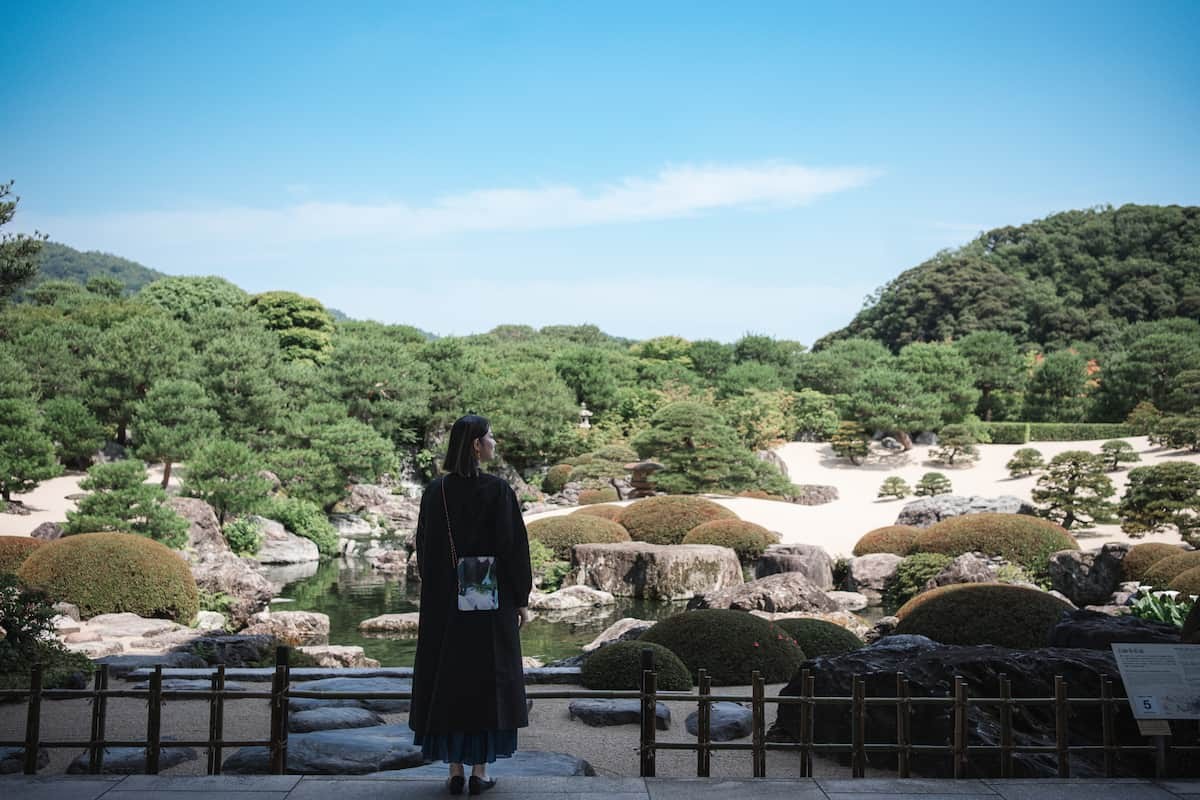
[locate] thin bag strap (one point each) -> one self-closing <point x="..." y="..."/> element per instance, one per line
<point x="450" y="536"/>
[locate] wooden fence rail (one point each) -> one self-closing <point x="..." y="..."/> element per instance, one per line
<point x="959" y="749"/>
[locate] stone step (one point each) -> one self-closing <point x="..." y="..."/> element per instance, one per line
<point x="533" y="675"/>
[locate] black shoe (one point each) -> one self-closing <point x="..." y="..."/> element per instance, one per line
<point x="454" y="784"/>
<point x="480" y="785"/>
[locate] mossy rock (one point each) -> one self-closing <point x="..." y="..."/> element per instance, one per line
<point x="15" y="549"/>
<point x="107" y="573"/>
<point x="1143" y="556"/>
<point x="609" y="512"/>
<point x="589" y="497"/>
<point x="895" y="539"/>
<point x="1022" y="539"/>
<point x="1162" y="572"/>
<point x="911" y="576"/>
<point x="619" y="666"/>
<point x="1000" y="614"/>
<point x="1187" y="582"/>
<point x="744" y="538"/>
<point x="818" y="637"/>
<point x="562" y="533"/>
<point x="668" y="518"/>
<point x="556" y="478"/>
<point x="731" y="645"/>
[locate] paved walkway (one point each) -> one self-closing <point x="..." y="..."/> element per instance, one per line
<point x="294" y="787"/>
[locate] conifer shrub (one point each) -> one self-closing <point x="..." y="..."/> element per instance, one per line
<point x="562" y="533"/>
<point x="999" y="614"/>
<point x="15" y="549"/>
<point x="588" y="497"/>
<point x="619" y="666"/>
<point x="818" y="637"/>
<point x="1025" y="461"/>
<point x="556" y="478"/>
<point x="305" y="519"/>
<point x="1161" y="573"/>
<point x="744" y="538"/>
<point x="1187" y="582"/>
<point x="1020" y="538"/>
<point x="931" y="484"/>
<point x="911" y="575"/>
<point x="1143" y="556"/>
<point x="894" y="486"/>
<point x="896" y="539"/>
<point x="731" y="645"/>
<point x="107" y="573"/>
<point x="668" y="518"/>
<point x="609" y="512"/>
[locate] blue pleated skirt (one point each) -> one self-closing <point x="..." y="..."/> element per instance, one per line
<point x="482" y="747"/>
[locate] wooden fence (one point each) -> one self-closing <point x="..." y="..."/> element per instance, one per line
<point x="959" y="750"/>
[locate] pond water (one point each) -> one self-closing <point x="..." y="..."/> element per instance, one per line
<point x="349" y="591"/>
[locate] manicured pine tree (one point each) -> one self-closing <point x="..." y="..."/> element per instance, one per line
<point x="173" y="420"/>
<point x="121" y="500"/>
<point x="1074" y="490"/>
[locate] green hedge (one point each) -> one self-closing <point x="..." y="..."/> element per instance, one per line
<point x="744" y="538"/>
<point x="14" y="550"/>
<point x="731" y="645"/>
<point x="562" y="533"/>
<point x="666" y="519"/>
<point x="998" y="614"/>
<point x="1024" y="432"/>
<point x="619" y="666"/>
<point x="1025" y="540"/>
<point x="1142" y="557"/>
<point x="818" y="637"/>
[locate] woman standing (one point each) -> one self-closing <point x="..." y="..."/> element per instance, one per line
<point x="473" y="555"/>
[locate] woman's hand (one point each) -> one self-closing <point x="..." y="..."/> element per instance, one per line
<point x="523" y="617"/>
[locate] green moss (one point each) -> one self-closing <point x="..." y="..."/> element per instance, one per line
<point x="911" y="576"/>
<point x="1020" y="538"/>
<point x="562" y="533"/>
<point x="668" y="518"/>
<point x="895" y="539"/>
<point x="731" y="645"/>
<point x="618" y="666"/>
<point x="983" y="613"/>
<point x="818" y="637"/>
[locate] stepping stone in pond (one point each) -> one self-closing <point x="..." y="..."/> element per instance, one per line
<point x="12" y="759"/>
<point x="599" y="713"/>
<point x="353" y="751"/>
<point x="331" y="719"/>
<point x="524" y="763"/>
<point x="132" y="760"/>
<point x="352" y="685"/>
<point x="727" y="721"/>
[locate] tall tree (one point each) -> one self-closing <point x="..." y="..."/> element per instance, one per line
<point x="1163" y="496"/>
<point x="996" y="366"/>
<point x="1074" y="489"/>
<point x="226" y="475"/>
<point x="121" y="500"/>
<point x="889" y="400"/>
<point x="171" y="422"/>
<point x="943" y="373"/>
<point x="1058" y="389"/>
<point x="305" y="328"/>
<point x="26" y="452"/>
<point x="18" y="252"/>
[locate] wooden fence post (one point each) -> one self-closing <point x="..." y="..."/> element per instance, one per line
<point x="33" y="720"/>
<point x="278" y="711"/>
<point x="649" y="707"/>
<point x="1061" y="718"/>
<point x="1106" y="725"/>
<point x="960" y="727"/>
<point x="758" y="715"/>
<point x="1006" y="729"/>
<point x="858" y="724"/>
<point x="704" y="726"/>
<point x="154" y="722"/>
<point x="903" y="725"/>
<point x="99" y="720"/>
<point x="808" y="713"/>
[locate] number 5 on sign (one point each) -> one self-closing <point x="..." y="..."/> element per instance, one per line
<point x="1147" y="703"/>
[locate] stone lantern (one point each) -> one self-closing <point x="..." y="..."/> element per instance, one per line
<point x="585" y="416"/>
<point x="641" y="482"/>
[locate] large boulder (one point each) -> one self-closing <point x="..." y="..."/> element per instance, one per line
<point x="351" y="751"/>
<point x="570" y="597"/>
<point x="967" y="568"/>
<point x="405" y="624"/>
<point x="235" y="650"/>
<point x="349" y="656"/>
<point x="48" y="531"/>
<point x="931" y="669"/>
<point x="12" y="759"/>
<point x="620" y="631"/>
<point x="204" y="531"/>
<point x="1088" y="578"/>
<point x="248" y="590"/>
<point x="358" y="534"/>
<point x="787" y="591"/>
<point x="350" y="684"/>
<point x="654" y="571"/>
<point x="869" y="574"/>
<point x="281" y="546"/>
<point x="398" y="512"/>
<point x="808" y="494"/>
<point x="291" y="627"/>
<point x="333" y="719"/>
<point x="1092" y="630"/>
<point x="809" y="559"/>
<point x="727" y="721"/>
<point x="929" y="510"/>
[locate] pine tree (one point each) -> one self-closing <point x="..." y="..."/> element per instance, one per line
<point x="1074" y="489"/>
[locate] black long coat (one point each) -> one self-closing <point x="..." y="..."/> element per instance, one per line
<point x="468" y="676"/>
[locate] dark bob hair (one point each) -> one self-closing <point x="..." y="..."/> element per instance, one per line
<point x="460" y="453"/>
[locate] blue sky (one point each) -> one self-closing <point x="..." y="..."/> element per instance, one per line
<point x="702" y="169"/>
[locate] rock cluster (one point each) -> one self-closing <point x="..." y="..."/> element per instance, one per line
<point x="929" y="510"/>
<point x="654" y="572"/>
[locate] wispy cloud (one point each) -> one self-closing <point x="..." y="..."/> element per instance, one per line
<point x="673" y="192"/>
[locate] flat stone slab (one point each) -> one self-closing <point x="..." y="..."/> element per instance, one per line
<point x="533" y="675"/>
<point x="132" y="760"/>
<point x="354" y="751"/>
<point x="332" y="719"/>
<point x="524" y="763"/>
<point x="122" y="666"/>
<point x="12" y="759"/>
<point x="192" y="685"/>
<point x="392" y="624"/>
<point x="727" y="721"/>
<point x="353" y="685"/>
<point x="600" y="713"/>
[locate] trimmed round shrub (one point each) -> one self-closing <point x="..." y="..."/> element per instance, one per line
<point x="589" y="497"/>
<point x="911" y="575"/>
<point x="1160" y="574"/>
<point x="15" y="549"/>
<point x="729" y="644"/>
<point x="556" y="478"/>
<point x="608" y="512"/>
<point x="1143" y="556"/>
<point x="1019" y="538"/>
<point x="1187" y="582"/>
<point x="998" y="614"/>
<point x="562" y="533"/>
<point x="106" y="573"/>
<point x="667" y="519"/>
<point x="619" y="666"/>
<point x="896" y="539"/>
<point x="305" y="519"/>
<point x="744" y="538"/>
<point x="818" y="637"/>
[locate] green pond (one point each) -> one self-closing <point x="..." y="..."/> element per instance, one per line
<point x="349" y="591"/>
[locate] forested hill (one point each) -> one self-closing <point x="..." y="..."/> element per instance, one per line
<point x="1073" y="277"/>
<point x="58" y="262"/>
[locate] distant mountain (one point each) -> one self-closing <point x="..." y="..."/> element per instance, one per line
<point x="1077" y="276"/>
<point x="63" y="263"/>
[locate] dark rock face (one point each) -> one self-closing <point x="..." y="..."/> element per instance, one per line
<point x="12" y="759"/>
<point x="727" y="721"/>
<point x="1088" y="579"/>
<point x="810" y="559"/>
<point x="967" y="568"/>
<point x="132" y="760"/>
<point x="1092" y="630"/>
<point x="928" y="510"/>
<point x="355" y="751"/>
<point x="330" y="719"/>
<point x="601" y="713"/>
<point x="787" y="591"/>
<point x="524" y="763"/>
<point x="47" y="531"/>
<point x="811" y="494"/>
<point x="352" y="685"/>
<point x="235" y="650"/>
<point x="930" y="672"/>
<point x="120" y="666"/>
